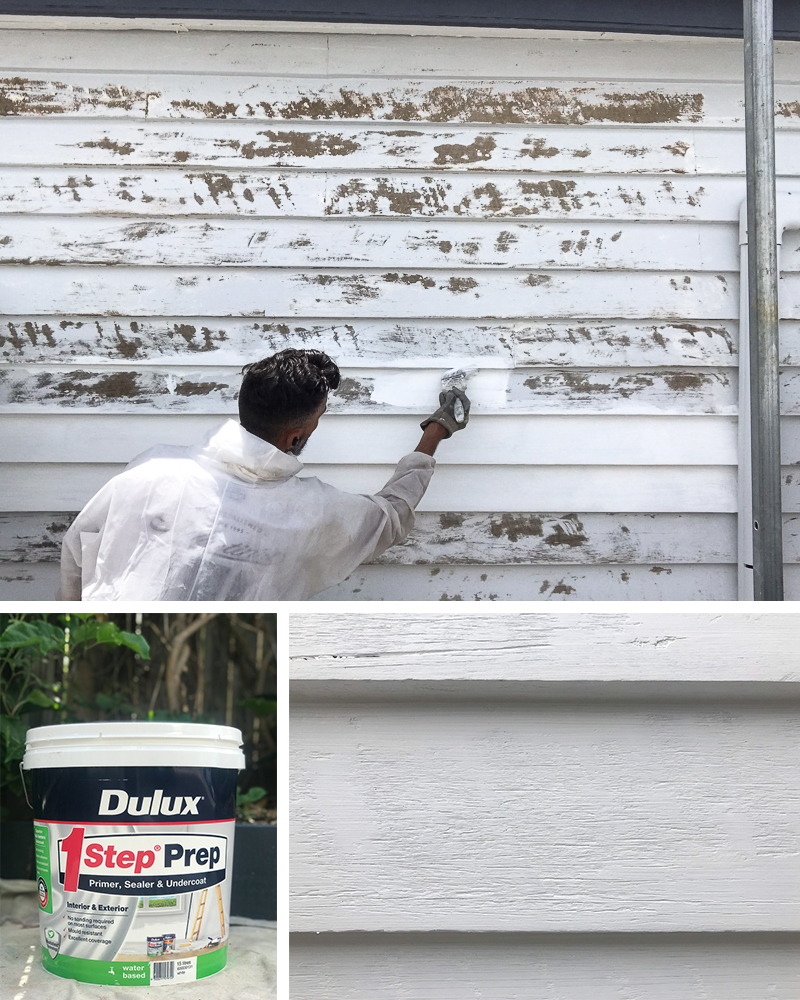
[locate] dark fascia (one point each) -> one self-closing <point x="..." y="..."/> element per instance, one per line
<point x="722" y="18"/>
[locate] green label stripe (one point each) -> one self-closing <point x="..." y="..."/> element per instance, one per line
<point x="208" y="964"/>
<point x="92" y="970"/>
<point x="41" y="840"/>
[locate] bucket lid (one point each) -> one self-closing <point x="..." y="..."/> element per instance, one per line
<point x="146" y="744"/>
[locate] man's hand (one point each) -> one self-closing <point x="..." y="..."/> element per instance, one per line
<point x="453" y="412"/>
<point x="452" y="416"/>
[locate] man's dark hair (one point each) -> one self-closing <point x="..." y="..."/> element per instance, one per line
<point x="284" y="390"/>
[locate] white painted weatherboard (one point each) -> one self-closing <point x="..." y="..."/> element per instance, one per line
<point x="559" y="208"/>
<point x="545" y="806"/>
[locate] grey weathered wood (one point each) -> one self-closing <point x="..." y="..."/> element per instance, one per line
<point x="499" y="966"/>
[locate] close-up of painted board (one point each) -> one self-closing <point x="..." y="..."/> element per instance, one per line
<point x="526" y="805"/>
<point x="559" y="208"/>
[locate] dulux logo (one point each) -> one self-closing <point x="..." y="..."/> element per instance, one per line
<point x="114" y="801"/>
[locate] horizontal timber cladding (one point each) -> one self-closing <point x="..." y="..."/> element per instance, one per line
<point x="359" y="342"/>
<point x="229" y="143"/>
<point x="560" y="210"/>
<point x="664" y="967"/>
<point x="259" y="193"/>
<point x="447" y="539"/>
<point x="544" y="805"/>
<point x="669" y="647"/>
<point x="317" y="54"/>
<point x="284" y="99"/>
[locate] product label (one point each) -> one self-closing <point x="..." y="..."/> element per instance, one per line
<point x="134" y="870"/>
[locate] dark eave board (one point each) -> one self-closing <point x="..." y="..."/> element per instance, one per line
<point x="675" y="17"/>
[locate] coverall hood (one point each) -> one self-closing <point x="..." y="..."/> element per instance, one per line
<point x="246" y="456"/>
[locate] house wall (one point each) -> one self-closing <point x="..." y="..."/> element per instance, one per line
<point x="544" y="806"/>
<point x="560" y="209"/>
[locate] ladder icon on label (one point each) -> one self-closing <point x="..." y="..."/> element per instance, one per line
<point x="201" y="907"/>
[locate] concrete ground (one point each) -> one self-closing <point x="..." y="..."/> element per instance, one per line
<point x="249" y="975"/>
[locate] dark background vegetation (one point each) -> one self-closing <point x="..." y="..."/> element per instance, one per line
<point x="214" y="668"/>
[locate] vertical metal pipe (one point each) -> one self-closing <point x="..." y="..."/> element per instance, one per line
<point x="763" y="298"/>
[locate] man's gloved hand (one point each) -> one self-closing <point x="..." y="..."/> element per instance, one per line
<point x="453" y="412"/>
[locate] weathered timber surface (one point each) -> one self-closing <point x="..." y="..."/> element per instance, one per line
<point x="287" y="99"/>
<point x="423" y="342"/>
<point x="508" y="539"/>
<point x="214" y="390"/>
<point x="265" y="193"/>
<point x="29" y="582"/>
<point x="421" y="146"/>
<point x="435" y="56"/>
<point x="529" y="816"/>
<point x="603" y="489"/>
<point x="499" y="966"/>
<point x="472" y="294"/>
<point x="396" y="243"/>
<point x="669" y="647"/>
<point x="173" y="206"/>
<point x="502" y="439"/>
<point x="38" y="581"/>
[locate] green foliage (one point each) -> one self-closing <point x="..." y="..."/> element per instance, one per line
<point x="260" y="706"/>
<point x="94" y="633"/>
<point x="253" y="794"/>
<point x="26" y="643"/>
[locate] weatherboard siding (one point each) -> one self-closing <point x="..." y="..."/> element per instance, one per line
<point x="560" y="210"/>
<point x="544" y="805"/>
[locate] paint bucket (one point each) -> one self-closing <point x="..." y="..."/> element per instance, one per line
<point x="155" y="946"/>
<point x="133" y="828"/>
<point x="169" y="942"/>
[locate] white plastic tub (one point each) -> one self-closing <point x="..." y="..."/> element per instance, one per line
<point x="134" y="825"/>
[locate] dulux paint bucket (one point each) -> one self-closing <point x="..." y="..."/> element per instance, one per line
<point x="134" y="825"/>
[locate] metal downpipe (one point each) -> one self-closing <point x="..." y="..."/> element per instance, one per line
<point x="767" y="526"/>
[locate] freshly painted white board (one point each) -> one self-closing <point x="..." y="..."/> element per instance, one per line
<point x="426" y="797"/>
<point x="666" y="489"/>
<point x="541" y="967"/>
<point x="559" y="208"/>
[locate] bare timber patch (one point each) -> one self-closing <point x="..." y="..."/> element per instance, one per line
<point x="484" y="103"/>
<point x="454" y="153"/>
<point x="21" y="96"/>
<point x="120" y="148"/>
<point x="352" y="287"/>
<point x="299" y="144"/>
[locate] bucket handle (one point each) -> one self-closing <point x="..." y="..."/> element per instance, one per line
<point x="24" y="786"/>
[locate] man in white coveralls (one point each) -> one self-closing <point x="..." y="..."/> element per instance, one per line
<point x="230" y="519"/>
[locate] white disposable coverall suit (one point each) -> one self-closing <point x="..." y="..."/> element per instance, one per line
<point x="230" y="520"/>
